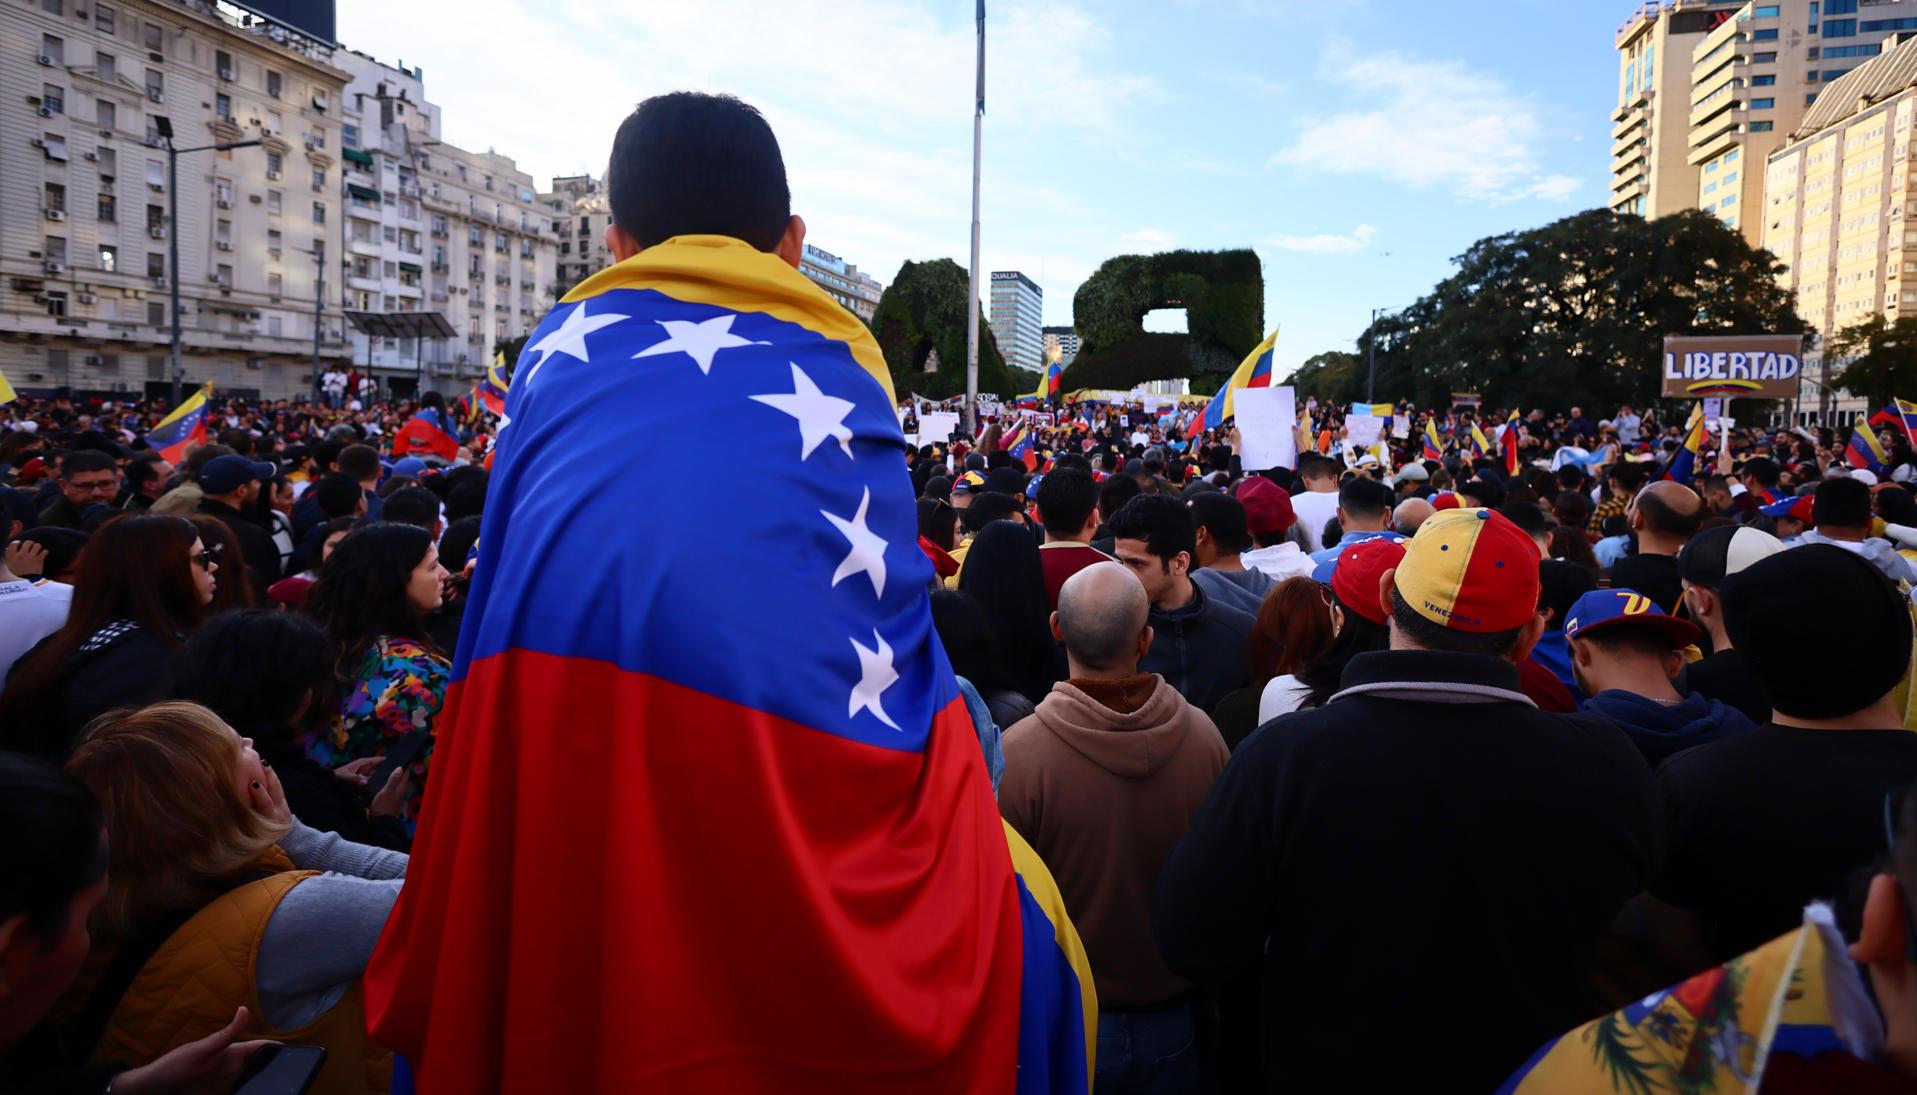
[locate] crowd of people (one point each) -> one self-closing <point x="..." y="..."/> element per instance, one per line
<point x="1363" y="774"/>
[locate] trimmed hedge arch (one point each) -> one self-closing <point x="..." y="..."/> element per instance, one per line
<point x="923" y="310"/>
<point x="1222" y="292"/>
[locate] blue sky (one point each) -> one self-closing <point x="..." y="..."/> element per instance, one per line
<point x="1356" y="144"/>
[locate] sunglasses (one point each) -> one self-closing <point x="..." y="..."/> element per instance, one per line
<point x="1893" y="809"/>
<point x="204" y="560"/>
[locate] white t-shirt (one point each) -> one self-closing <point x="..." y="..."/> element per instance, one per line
<point x="1282" y="696"/>
<point x="1314" y="508"/>
<point x="29" y="612"/>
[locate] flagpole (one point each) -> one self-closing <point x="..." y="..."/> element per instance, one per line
<point x="971" y="289"/>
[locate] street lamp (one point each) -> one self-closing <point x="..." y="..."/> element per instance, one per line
<point x="163" y="126"/>
<point x="1371" y="374"/>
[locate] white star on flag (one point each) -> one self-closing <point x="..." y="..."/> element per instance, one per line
<point x="569" y="337"/>
<point x="698" y="339"/>
<point x="819" y="415"/>
<point x="868" y="551"/>
<point x="875" y="676"/>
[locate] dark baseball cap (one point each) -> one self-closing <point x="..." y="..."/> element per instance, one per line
<point x="225" y="474"/>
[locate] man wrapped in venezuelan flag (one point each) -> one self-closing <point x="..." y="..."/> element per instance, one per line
<point x="708" y="813"/>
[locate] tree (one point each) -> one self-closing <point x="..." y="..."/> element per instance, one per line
<point x="922" y="314"/>
<point x="1576" y="311"/>
<point x="511" y="348"/>
<point x="1883" y="358"/>
<point x="1222" y="293"/>
<point x="1334" y="377"/>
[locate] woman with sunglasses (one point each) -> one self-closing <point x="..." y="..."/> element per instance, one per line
<point x="144" y="584"/>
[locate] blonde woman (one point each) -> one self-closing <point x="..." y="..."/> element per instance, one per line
<point x="217" y="897"/>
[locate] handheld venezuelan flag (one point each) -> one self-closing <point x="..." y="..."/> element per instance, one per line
<point x="492" y="390"/>
<point x="1797" y="996"/>
<point x="1433" y="443"/>
<point x="1508" y="441"/>
<point x="1479" y="446"/>
<point x="1253" y="372"/>
<point x="1023" y="448"/>
<point x="1865" y="450"/>
<point x="7" y="394"/>
<point x="431" y="432"/>
<point x="182" y="430"/>
<point x="1906" y="416"/>
<point x="1683" y="462"/>
<point x="783" y="867"/>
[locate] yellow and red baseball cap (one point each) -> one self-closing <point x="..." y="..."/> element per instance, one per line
<point x="1470" y="570"/>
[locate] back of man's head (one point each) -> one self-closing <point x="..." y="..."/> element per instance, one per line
<point x="1842" y="503"/>
<point x="989" y="506"/>
<point x="1773" y="605"/>
<point x="687" y="163"/>
<point x="1113" y="493"/>
<point x="1313" y="468"/>
<point x="1223" y="519"/>
<point x="1763" y="471"/>
<point x="1364" y="501"/>
<point x="204" y="455"/>
<point x="360" y="461"/>
<point x="1563" y="583"/>
<point x="414" y="506"/>
<point x="1066" y="498"/>
<point x="1670" y="509"/>
<point x="1410" y="514"/>
<point x="338" y="494"/>
<point x="432" y="400"/>
<point x="1102" y="611"/>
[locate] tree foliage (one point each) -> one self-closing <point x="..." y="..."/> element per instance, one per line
<point x="1883" y="358"/>
<point x="922" y="311"/>
<point x="1222" y="293"/>
<point x="1334" y="377"/>
<point x="1576" y="311"/>
<point x="511" y="347"/>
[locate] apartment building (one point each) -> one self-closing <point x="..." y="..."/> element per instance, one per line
<point x="858" y="292"/>
<point x="1650" y="132"/>
<point x="1017" y="317"/>
<point x="1063" y="341"/>
<point x="431" y="227"/>
<point x="1836" y="198"/>
<point x="580" y="212"/>
<point x="84" y="202"/>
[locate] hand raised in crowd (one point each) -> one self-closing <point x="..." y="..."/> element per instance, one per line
<point x="26" y="559"/>
<point x="391" y="799"/>
<point x="212" y="1064"/>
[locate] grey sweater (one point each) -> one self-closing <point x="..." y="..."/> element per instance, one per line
<point x="323" y="931"/>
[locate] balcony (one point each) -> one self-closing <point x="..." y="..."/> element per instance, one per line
<point x="367" y="247"/>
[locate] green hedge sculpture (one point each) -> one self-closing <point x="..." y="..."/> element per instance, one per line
<point x="922" y="312"/>
<point x="1222" y="292"/>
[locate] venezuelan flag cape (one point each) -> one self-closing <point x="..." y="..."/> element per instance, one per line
<point x="431" y="432"/>
<point x="1797" y="995"/>
<point x="1865" y="451"/>
<point x="1433" y="444"/>
<point x="1253" y="372"/>
<point x="1684" y="461"/>
<point x="182" y="430"/>
<point x="708" y="813"/>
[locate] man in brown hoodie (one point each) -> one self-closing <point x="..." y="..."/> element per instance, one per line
<point x="1102" y="780"/>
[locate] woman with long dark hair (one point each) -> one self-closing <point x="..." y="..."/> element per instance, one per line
<point x="1004" y="575"/>
<point x="269" y="676"/>
<point x="372" y="598"/>
<point x="1358" y="621"/>
<point x="144" y="584"/>
<point x="973" y="651"/>
<point x="1294" y="628"/>
<point x="226" y="551"/>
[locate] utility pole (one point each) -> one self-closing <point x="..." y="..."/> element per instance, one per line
<point x="319" y="312"/>
<point x="971" y="286"/>
<point x="164" y="127"/>
<point x="1371" y="374"/>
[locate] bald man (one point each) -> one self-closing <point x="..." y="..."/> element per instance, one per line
<point x="1102" y="779"/>
<point x="1663" y="516"/>
<point x="1410" y="514"/>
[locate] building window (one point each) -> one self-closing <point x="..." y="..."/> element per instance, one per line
<point x="156" y="317"/>
<point x="349" y="136"/>
<point x="319" y="212"/>
<point x="223" y="273"/>
<point x="1840" y="7"/>
<point x="389" y="233"/>
<point x="272" y="165"/>
<point x="223" y="233"/>
<point x="57" y="307"/>
<point x="155" y="84"/>
<point x="1769" y="34"/>
<point x="1763" y="104"/>
<point x="273" y="202"/>
<point x="105" y="114"/>
<point x="1869" y="25"/>
<point x="223" y="64"/>
<point x="1837" y="28"/>
<point x="319" y="178"/>
<point x="103" y="18"/>
<point x="1763" y="58"/>
<point x="155" y="219"/>
<point x="108" y="209"/>
<point x="53" y="48"/>
<point x="109" y="257"/>
<point x="153" y="37"/>
<point x="56" y="147"/>
<point x="1761" y="127"/>
<point x="53" y="7"/>
<point x="272" y="83"/>
<point x="273" y="242"/>
<point x="53" y="98"/>
<point x="223" y="105"/>
<point x="1764" y="81"/>
<point x="56" y="198"/>
<point x="56" y="248"/>
<point x="104" y="66"/>
<point x="274" y="282"/>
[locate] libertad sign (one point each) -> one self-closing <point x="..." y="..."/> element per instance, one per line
<point x="1745" y="366"/>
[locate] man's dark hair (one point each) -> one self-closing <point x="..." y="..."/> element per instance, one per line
<point x="1160" y="520"/>
<point x="1628" y="476"/>
<point x="414" y="506"/>
<point x="687" y="163"/>
<point x="1072" y="460"/>
<point x="1113" y="493"/>
<point x="143" y="469"/>
<point x="466" y="499"/>
<point x="1432" y="635"/>
<point x="1560" y="584"/>
<point x="458" y="540"/>
<point x="258" y="669"/>
<point x="204" y="455"/>
<point x="238" y="440"/>
<point x="1223" y="517"/>
<point x="1717" y="482"/>
<point x="986" y="508"/>
<point x="55" y="846"/>
<point x="1660" y="517"/>
<point x="360" y="461"/>
<point x="326" y="453"/>
<point x="1844" y="503"/>
<point x="1313" y="466"/>
<point x="1764" y="470"/>
<point x="431" y="399"/>
<point x="1528" y="516"/>
<point x="338" y="495"/>
<point x="1488" y="494"/>
<point x="1066" y="498"/>
<point x="1365" y="499"/>
<point x="1637" y="639"/>
<point x="84" y="460"/>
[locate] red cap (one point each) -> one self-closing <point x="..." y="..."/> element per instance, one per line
<point x="1267" y="506"/>
<point x="1360" y="568"/>
<point x="1446" y="499"/>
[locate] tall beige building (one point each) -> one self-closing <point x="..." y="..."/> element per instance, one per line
<point x="84" y="223"/>
<point x="1650" y="133"/>
<point x="1835" y="211"/>
<point x="580" y="213"/>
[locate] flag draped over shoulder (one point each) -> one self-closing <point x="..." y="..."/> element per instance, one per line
<point x="1799" y="995"/>
<point x="182" y="430"/>
<point x="1253" y="372"/>
<point x="708" y="813"/>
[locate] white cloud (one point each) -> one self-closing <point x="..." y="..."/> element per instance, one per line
<point x="1327" y="243"/>
<point x="1429" y="124"/>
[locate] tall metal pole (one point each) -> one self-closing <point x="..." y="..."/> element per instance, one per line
<point x="319" y="314"/>
<point x="971" y="289"/>
<point x="173" y="258"/>
<point x="1371" y="374"/>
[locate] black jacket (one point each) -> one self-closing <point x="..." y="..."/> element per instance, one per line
<point x="1200" y="649"/>
<point x="1428" y="851"/>
<point x="120" y="665"/>
<point x="321" y="799"/>
<point x="61" y="513"/>
<point x="262" y="554"/>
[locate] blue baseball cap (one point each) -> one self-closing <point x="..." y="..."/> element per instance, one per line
<point x="1609" y="608"/>
<point x="226" y="474"/>
<point x="1323" y="571"/>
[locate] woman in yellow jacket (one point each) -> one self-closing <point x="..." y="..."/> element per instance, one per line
<point x="217" y="898"/>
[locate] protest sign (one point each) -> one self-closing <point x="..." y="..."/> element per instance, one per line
<point x="1267" y="424"/>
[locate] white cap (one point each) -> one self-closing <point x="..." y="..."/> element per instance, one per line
<point x="1864" y="476"/>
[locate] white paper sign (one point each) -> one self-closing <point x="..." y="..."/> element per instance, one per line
<point x="1401" y="425"/>
<point x="1267" y="420"/>
<point x="1362" y="430"/>
<point x="935" y="427"/>
<point x="1713" y="409"/>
